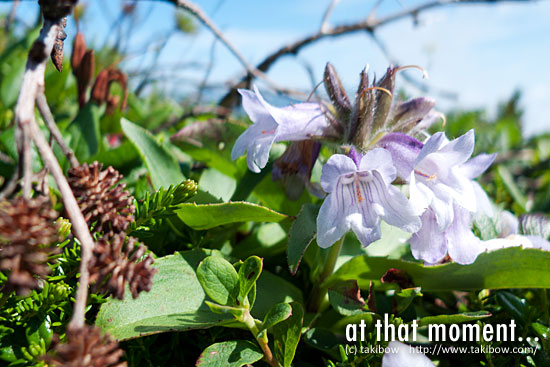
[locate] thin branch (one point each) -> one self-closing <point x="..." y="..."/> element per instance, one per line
<point x="368" y="25"/>
<point x="42" y="104"/>
<point x="32" y="86"/>
<point x="324" y="23"/>
<point x="206" y="21"/>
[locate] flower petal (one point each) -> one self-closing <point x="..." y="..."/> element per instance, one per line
<point x="404" y="149"/>
<point x="337" y="165"/>
<point x="433" y="144"/>
<point x="331" y="222"/>
<point x="457" y="151"/>
<point x="429" y="243"/>
<point x="402" y="355"/>
<point x="462" y="244"/>
<point x="254" y="106"/>
<point x="397" y="209"/>
<point x="379" y="159"/>
<point x="477" y="165"/>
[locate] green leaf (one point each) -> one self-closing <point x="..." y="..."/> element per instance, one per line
<point x="177" y="300"/>
<point x="85" y="137"/>
<point x="346" y="299"/>
<point x="454" y="319"/>
<point x="121" y="157"/>
<point x="404" y="298"/>
<point x="12" y="76"/>
<point x="278" y="313"/>
<point x="235" y="311"/>
<point x="515" y="306"/>
<point x="271" y="290"/>
<point x="213" y="215"/>
<point x="175" y="303"/>
<point x="249" y="272"/>
<point x="301" y="234"/>
<point x="217" y="184"/>
<point x="513" y="267"/>
<point x="234" y="353"/>
<point x="163" y="168"/>
<point x="512" y="187"/>
<point x="287" y="335"/>
<point x="219" y="280"/>
<point x="249" y="181"/>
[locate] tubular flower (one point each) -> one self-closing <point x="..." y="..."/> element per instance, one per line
<point x="360" y="195"/>
<point x="441" y="173"/>
<point x="302" y="121"/>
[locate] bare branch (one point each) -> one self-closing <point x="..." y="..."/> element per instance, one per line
<point x="32" y="86"/>
<point x="44" y="109"/>
<point x="204" y="19"/>
<point x="368" y="25"/>
<point x="324" y="23"/>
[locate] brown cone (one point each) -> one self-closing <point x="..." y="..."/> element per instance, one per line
<point x="26" y="229"/>
<point x="115" y="262"/>
<point x="102" y="199"/>
<point x="86" y="347"/>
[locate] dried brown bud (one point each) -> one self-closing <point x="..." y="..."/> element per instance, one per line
<point x="86" y="347"/>
<point x="79" y="48"/>
<point x="57" y="51"/>
<point x="26" y="229"/>
<point x="116" y="262"/>
<point x="337" y="93"/>
<point x="101" y="89"/>
<point x="103" y="200"/>
<point x="85" y="75"/>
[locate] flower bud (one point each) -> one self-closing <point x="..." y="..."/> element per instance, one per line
<point x="337" y="93"/>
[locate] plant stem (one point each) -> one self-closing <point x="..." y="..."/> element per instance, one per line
<point x="249" y="321"/>
<point x="320" y="291"/>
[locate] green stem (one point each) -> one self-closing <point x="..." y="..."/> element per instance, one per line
<point x="250" y="323"/>
<point x="319" y="292"/>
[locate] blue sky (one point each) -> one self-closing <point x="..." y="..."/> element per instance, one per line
<point x="481" y="52"/>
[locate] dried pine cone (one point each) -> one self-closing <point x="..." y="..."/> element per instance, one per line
<point x="86" y="347"/>
<point x="115" y="262"/>
<point x="26" y="229"/>
<point x="102" y="199"/>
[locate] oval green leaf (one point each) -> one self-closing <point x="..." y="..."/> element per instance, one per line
<point x="219" y="280"/>
<point x="234" y="353"/>
<point x="212" y="215"/>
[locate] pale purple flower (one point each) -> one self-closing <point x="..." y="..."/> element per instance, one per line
<point x="271" y="124"/>
<point x="441" y="173"/>
<point x="402" y="355"/>
<point x="360" y="195"/>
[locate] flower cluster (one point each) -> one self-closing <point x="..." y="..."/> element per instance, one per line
<point x="381" y="146"/>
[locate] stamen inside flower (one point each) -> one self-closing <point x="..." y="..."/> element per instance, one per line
<point x="268" y="131"/>
<point x="358" y="190"/>
<point x="429" y="177"/>
<point x="424" y="72"/>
